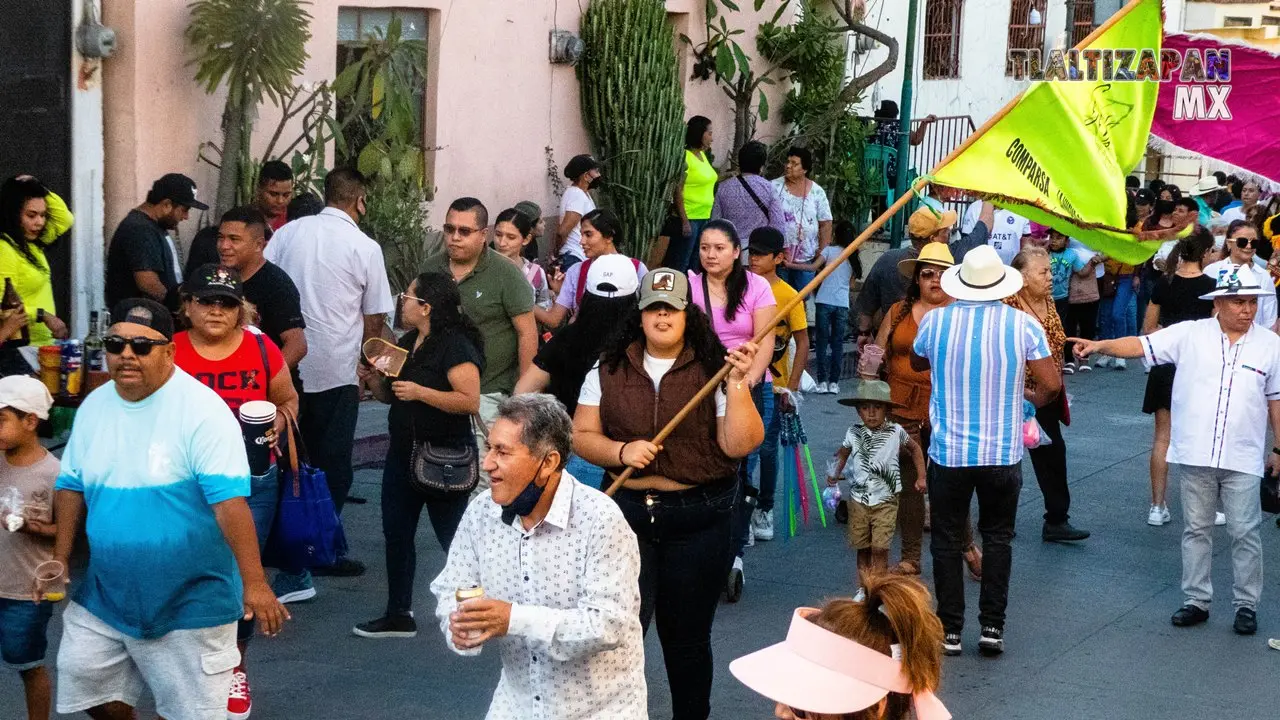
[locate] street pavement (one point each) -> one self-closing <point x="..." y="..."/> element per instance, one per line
<point x="1088" y="632"/>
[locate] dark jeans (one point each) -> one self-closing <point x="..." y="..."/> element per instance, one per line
<point x="832" y="323"/>
<point x="682" y="252"/>
<point x="1082" y="322"/>
<point x="401" y="508"/>
<point x="1050" y="463"/>
<point x="685" y="554"/>
<point x="328" y="423"/>
<point x="950" y="491"/>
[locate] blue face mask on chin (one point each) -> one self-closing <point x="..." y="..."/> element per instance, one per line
<point x="527" y="500"/>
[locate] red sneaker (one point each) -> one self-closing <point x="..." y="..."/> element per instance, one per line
<point x="239" y="704"/>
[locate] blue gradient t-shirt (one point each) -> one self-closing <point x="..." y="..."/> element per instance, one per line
<point x="150" y="472"/>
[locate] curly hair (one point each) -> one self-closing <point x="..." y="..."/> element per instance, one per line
<point x="698" y="335"/>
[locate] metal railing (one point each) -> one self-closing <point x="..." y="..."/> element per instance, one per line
<point x="941" y="138"/>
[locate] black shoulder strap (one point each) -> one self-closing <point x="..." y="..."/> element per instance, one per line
<point x="266" y="366"/>
<point x="759" y="203"/>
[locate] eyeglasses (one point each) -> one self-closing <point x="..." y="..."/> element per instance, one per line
<point x="222" y="301"/>
<point x="140" y="346"/>
<point x="930" y="273"/>
<point x="407" y="296"/>
<point x="1243" y="243"/>
<point x="462" y="232"/>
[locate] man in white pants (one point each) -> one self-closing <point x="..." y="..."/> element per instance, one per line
<point x="1226" y="388"/>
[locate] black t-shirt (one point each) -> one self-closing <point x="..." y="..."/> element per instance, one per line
<point x="429" y="367"/>
<point x="567" y="369"/>
<point x="272" y="291"/>
<point x="204" y="250"/>
<point x="139" y="244"/>
<point x="1179" y="298"/>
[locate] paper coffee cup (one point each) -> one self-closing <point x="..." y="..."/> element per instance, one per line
<point x="257" y="422"/>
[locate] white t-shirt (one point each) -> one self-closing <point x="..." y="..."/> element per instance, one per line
<point x="1230" y="215"/>
<point x="341" y="278"/>
<point x="655" y="367"/>
<point x="1267" y="308"/>
<point x="575" y="199"/>
<point x="1006" y="233"/>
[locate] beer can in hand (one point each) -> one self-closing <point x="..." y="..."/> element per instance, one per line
<point x="470" y="592"/>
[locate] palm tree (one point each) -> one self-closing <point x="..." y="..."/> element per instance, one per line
<point x="255" y="47"/>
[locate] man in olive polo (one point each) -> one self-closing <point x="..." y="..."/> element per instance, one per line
<point x="498" y="300"/>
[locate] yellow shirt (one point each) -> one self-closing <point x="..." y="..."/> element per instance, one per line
<point x="32" y="282"/>
<point x="795" y="321"/>
<point x="699" y="186"/>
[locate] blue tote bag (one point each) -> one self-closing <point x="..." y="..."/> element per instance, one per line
<point x="307" y="532"/>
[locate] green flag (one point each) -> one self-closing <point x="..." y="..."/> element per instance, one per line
<point x="1059" y="156"/>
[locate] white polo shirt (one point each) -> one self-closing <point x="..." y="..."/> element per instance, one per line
<point x="1006" y="231"/>
<point x="1220" y="393"/>
<point x="1267" y="307"/>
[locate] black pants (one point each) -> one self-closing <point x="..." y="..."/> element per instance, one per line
<point x="1050" y="463"/>
<point x="1080" y="321"/>
<point x="401" y="509"/>
<point x="328" y="423"/>
<point x="685" y="554"/>
<point x="950" y="491"/>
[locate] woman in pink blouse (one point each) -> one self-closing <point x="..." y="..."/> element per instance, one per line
<point x="739" y="303"/>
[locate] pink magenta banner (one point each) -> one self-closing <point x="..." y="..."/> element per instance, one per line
<point x="1227" y="111"/>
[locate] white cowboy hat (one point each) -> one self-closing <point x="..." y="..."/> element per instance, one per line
<point x="981" y="277"/>
<point x="1205" y="185"/>
<point x="1240" y="282"/>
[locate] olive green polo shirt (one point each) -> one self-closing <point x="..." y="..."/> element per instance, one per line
<point x="492" y="294"/>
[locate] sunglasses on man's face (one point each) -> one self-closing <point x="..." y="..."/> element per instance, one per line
<point x="1243" y="243"/>
<point x="140" y="346"/>
<point x="222" y="301"/>
<point x="459" y="230"/>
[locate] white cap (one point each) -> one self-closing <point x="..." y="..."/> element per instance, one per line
<point x="612" y="276"/>
<point x="25" y="394"/>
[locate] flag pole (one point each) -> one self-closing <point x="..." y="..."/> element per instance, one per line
<point x="831" y="266"/>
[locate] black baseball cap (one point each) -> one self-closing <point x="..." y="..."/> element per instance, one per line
<point x="214" y="280"/>
<point x="176" y="188"/>
<point x="580" y="164"/>
<point x="765" y="240"/>
<point x="144" y="311"/>
<point x="1144" y="197"/>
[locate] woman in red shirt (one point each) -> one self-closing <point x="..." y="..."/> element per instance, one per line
<point x="240" y="364"/>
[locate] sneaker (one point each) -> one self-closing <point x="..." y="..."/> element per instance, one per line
<point x="290" y="588"/>
<point x="1189" y="615"/>
<point x="951" y="644"/>
<point x="833" y="388"/>
<point x="1069" y="369"/>
<point x="733" y="588"/>
<point x="1085" y="367"/>
<point x="820" y="388"/>
<point x="751" y="536"/>
<point x="1164" y="513"/>
<point x="1155" y="518"/>
<point x="762" y="524"/>
<point x="1062" y="532"/>
<point x="992" y="641"/>
<point x="1120" y="364"/>
<point x="239" y="704"/>
<point x="1246" y="621"/>
<point x="1219" y="519"/>
<point x="391" y="626"/>
<point x="345" y="567"/>
<point x="1102" y="361"/>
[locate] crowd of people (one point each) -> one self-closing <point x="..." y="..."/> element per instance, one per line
<point x="533" y="380"/>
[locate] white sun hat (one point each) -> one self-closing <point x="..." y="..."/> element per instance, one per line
<point x="1240" y="282"/>
<point x="981" y="276"/>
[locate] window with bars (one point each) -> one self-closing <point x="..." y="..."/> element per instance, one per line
<point x="942" y="39"/>
<point x="1082" y="21"/>
<point x="1023" y="33"/>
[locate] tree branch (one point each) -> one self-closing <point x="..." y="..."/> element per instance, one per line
<point x="855" y="86"/>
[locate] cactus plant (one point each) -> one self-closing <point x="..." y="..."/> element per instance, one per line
<point x="633" y="108"/>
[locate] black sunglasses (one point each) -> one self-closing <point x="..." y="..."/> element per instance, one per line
<point x="221" y="301"/>
<point x="140" y="346"/>
<point x="1243" y="243"/>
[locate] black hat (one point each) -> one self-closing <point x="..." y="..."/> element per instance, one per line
<point x="176" y="188"/>
<point x="765" y="240"/>
<point x="214" y="280"/>
<point x="1144" y="197"/>
<point x="144" y="311"/>
<point x="580" y="164"/>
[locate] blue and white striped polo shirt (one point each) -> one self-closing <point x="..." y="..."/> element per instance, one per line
<point x="978" y="352"/>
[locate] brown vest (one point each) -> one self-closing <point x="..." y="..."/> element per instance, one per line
<point x="631" y="410"/>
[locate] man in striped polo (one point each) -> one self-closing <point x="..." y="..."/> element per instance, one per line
<point x="979" y="350"/>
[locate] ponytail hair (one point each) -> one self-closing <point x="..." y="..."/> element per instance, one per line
<point x="438" y="290"/>
<point x="896" y="612"/>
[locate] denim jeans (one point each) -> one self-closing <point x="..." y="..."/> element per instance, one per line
<point x="401" y="509"/>
<point x="829" y="338"/>
<point x="950" y="491"/>
<point x="797" y="279"/>
<point x="765" y="458"/>
<point x="1201" y="489"/>
<point x="328" y="423"/>
<point x="1124" y="309"/>
<point x="264" y="497"/>
<point x="685" y="555"/>
<point x="585" y="472"/>
<point x="682" y="252"/>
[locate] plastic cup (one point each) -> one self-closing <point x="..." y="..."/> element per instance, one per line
<point x="872" y="359"/>
<point x="50" y="581"/>
<point x="258" y="422"/>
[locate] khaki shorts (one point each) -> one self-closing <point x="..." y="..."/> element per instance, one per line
<point x="187" y="671"/>
<point x="872" y="527"/>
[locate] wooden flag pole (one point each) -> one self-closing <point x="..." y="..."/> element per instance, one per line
<point x="831" y="266"/>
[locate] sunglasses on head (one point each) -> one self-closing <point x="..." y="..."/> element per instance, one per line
<point x="140" y="346"/>
<point x="221" y="301"/>
<point x="1243" y="243"/>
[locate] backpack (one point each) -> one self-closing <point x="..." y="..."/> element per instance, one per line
<point x="583" y="268"/>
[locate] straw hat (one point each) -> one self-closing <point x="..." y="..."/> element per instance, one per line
<point x="981" y="277"/>
<point x="1205" y="185"/>
<point x="931" y="254"/>
<point x="876" y="391"/>
<point x="1240" y="282"/>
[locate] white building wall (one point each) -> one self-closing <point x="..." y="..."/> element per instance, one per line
<point x="88" y="251"/>
<point x="1201" y="15"/>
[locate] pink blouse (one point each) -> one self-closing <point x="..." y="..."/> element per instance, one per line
<point x="742" y="328"/>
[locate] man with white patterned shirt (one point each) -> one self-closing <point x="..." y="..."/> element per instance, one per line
<point x="560" y="570"/>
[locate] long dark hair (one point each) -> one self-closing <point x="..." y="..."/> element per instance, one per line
<point x="844" y="234"/>
<point x="14" y="194"/>
<point x="440" y="292"/>
<point x="694" y="130"/>
<point x="698" y="335"/>
<point x="735" y="286"/>
<point x="1191" y="249"/>
<point x="585" y="338"/>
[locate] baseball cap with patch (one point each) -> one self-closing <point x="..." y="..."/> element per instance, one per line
<point x="666" y="286"/>
<point x="214" y="280"/>
<point x="611" y="276"/>
<point x="178" y="189"/>
<point x="144" y="311"/>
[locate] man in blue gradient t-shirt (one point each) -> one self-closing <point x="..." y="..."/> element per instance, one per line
<point x="157" y="463"/>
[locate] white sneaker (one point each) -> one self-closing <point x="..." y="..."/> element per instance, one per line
<point x="823" y="389"/>
<point x="833" y="388"/>
<point x="1120" y="364"/>
<point x="1219" y="519"/>
<point x="1155" y="518"/>
<point x="1085" y="367"/>
<point x="1164" y="513"/>
<point x="762" y="524"/>
<point x="1102" y="361"/>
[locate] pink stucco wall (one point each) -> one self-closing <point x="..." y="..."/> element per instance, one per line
<point x="495" y="104"/>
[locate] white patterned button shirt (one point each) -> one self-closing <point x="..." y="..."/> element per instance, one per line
<point x="574" y="649"/>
